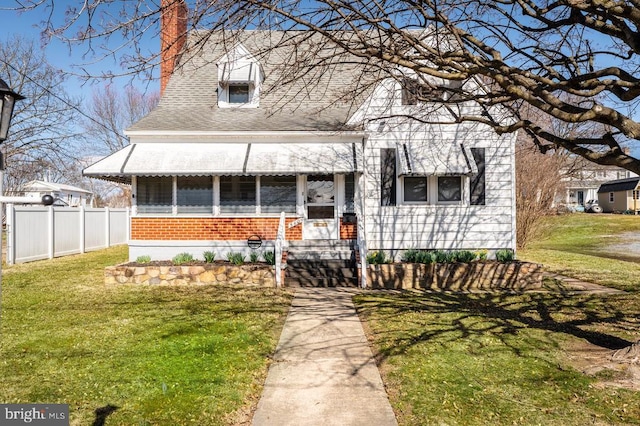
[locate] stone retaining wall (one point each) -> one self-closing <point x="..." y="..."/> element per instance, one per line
<point x="517" y="276"/>
<point x="215" y="273"/>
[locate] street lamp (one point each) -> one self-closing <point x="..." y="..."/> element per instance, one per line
<point x="7" y="100"/>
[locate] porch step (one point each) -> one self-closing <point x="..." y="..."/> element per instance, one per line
<point x="318" y="255"/>
<point x="317" y="245"/>
<point x="321" y="263"/>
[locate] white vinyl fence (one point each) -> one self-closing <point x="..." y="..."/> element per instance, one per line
<point x="36" y="232"/>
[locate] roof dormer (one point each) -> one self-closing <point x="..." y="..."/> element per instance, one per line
<point x="239" y="79"/>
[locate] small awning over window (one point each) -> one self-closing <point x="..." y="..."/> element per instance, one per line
<point x="421" y="157"/>
<point x="208" y="159"/>
<point x="238" y="72"/>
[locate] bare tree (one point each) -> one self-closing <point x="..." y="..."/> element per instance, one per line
<point x="539" y="181"/>
<point x="574" y="61"/>
<point x="109" y="112"/>
<point x="42" y="135"/>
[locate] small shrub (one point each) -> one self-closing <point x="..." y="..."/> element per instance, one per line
<point x="481" y="255"/>
<point x="235" y="258"/>
<point x="377" y="258"/>
<point x="181" y="258"/>
<point x="270" y="257"/>
<point x="425" y="257"/>
<point x="254" y="257"/>
<point x="441" y="256"/>
<point x="505" y="255"/>
<point x="209" y="256"/>
<point x="463" y="256"/>
<point x="143" y="259"/>
<point x="411" y="256"/>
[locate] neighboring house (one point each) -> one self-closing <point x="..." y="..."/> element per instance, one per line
<point x="585" y="177"/>
<point x="620" y="195"/>
<point x="63" y="195"/>
<point x="221" y="157"/>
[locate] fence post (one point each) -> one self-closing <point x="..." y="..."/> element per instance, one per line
<point x="10" y="218"/>
<point x="107" y="226"/>
<point x="82" y="218"/>
<point x="127" y="225"/>
<point x="51" y="232"/>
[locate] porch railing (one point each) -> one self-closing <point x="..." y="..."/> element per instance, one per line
<point x="279" y="246"/>
<point x="362" y="251"/>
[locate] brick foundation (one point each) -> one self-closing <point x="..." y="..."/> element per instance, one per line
<point x="206" y="228"/>
<point x="348" y="231"/>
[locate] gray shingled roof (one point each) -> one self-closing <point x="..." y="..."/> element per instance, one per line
<point x="628" y="184"/>
<point x="313" y="98"/>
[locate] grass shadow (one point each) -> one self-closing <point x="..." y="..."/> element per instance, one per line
<point x="102" y="413"/>
<point x="594" y="318"/>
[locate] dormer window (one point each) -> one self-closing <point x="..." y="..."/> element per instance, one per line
<point x="239" y="80"/>
<point x="415" y="92"/>
<point x="239" y="93"/>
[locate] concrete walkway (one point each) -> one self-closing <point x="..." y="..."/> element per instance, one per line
<point x="323" y="372"/>
<point x="574" y="285"/>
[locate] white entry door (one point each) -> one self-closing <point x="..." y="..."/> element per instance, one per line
<point x="320" y="222"/>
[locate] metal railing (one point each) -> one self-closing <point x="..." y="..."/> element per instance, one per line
<point x="279" y="247"/>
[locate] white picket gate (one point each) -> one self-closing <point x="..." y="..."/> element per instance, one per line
<point x="36" y="232"/>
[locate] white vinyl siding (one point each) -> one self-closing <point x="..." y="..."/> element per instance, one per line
<point x="437" y="225"/>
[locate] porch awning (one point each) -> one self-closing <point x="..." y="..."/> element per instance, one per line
<point x="204" y="159"/>
<point x="422" y="157"/>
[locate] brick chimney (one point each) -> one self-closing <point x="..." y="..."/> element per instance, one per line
<point x="173" y="35"/>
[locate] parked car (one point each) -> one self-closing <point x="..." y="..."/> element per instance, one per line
<point x="592" y="206"/>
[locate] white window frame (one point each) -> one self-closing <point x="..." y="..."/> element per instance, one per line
<point x="463" y="191"/>
<point x="409" y="202"/>
<point x="223" y="95"/>
<point x="612" y="197"/>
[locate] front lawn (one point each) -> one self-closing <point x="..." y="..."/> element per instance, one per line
<point x="578" y="245"/>
<point x="135" y="355"/>
<point x="474" y="359"/>
<point x="528" y="359"/>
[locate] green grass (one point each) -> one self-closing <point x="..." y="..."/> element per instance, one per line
<point x="465" y="359"/>
<point x="480" y="359"/>
<point x="186" y="355"/>
<point x="576" y="245"/>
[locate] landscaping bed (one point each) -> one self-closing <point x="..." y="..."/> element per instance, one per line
<point x="219" y="272"/>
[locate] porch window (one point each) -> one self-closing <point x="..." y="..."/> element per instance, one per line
<point x="237" y="194"/>
<point x="449" y="189"/>
<point x="278" y="194"/>
<point x="415" y="190"/>
<point x="195" y="194"/>
<point x="154" y="194"/>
